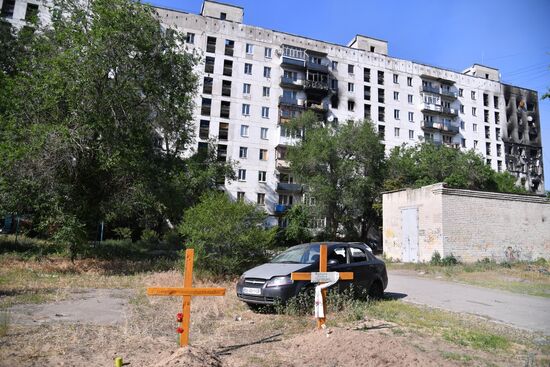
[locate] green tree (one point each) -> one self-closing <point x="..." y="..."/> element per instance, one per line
<point x="228" y="236"/>
<point x="95" y="113"/>
<point x="426" y="164"/>
<point x="297" y="230"/>
<point x="342" y="168"/>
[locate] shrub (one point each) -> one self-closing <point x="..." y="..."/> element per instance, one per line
<point x="149" y="236"/>
<point x="436" y="258"/>
<point x="123" y="233"/>
<point x="228" y="236"/>
<point x="449" y="260"/>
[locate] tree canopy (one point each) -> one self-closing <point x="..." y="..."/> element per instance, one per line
<point x="95" y="114"/>
<point x="228" y="236"/>
<point x="426" y="164"/>
<point x="342" y="168"/>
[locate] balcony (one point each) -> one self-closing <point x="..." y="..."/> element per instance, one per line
<point x="289" y="82"/>
<point x="322" y="107"/>
<point x="437" y="90"/>
<point x="440" y="109"/>
<point x="281" y="208"/>
<point x="323" y="67"/>
<point x="282" y="164"/>
<point x="289" y="187"/>
<point x="440" y="125"/>
<point x="289" y="101"/>
<point x="429" y="89"/>
<point x="316" y="85"/>
<point x="288" y="61"/>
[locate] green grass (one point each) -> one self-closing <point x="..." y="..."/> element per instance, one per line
<point x="457" y="329"/>
<point x="4" y="321"/>
<point x="459" y="357"/>
<point x="477" y="339"/>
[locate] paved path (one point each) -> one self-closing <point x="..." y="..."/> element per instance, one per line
<point x="526" y="312"/>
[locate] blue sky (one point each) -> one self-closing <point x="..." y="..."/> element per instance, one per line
<point x="509" y="35"/>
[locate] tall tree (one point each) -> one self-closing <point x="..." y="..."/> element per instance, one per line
<point x="426" y="164"/>
<point x="94" y="119"/>
<point x="342" y="167"/>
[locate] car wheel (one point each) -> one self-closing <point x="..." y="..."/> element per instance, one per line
<point x="376" y="291"/>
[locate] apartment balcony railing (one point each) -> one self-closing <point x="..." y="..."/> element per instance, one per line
<point x="290" y="82"/>
<point x="316" y="85"/>
<point x="289" y="187"/>
<point x="289" y="101"/>
<point x="318" y="106"/>
<point x="429" y="89"/>
<point x="289" y="61"/>
<point x="438" y="108"/>
<point x="282" y="164"/>
<point x="437" y="90"/>
<point x="281" y="208"/>
<point x="323" y="67"/>
<point x="449" y="93"/>
<point x="439" y="125"/>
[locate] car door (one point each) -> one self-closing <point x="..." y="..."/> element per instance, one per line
<point x="339" y="252"/>
<point x="363" y="269"/>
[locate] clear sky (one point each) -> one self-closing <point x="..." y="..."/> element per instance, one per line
<point x="512" y="36"/>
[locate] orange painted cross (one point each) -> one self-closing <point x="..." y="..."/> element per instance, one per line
<point x="187" y="291"/>
<point x="323" y="260"/>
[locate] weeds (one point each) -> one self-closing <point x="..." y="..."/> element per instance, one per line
<point x="4" y="321"/>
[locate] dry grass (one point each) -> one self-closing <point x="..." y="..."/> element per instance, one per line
<point x="226" y="325"/>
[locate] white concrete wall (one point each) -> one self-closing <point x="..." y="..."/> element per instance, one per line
<point x="429" y="205"/>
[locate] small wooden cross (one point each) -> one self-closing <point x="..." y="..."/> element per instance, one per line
<point x="323" y="261"/>
<point x="187" y="291"/>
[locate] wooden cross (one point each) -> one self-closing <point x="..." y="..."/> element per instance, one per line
<point x="323" y="261"/>
<point x="187" y="291"/>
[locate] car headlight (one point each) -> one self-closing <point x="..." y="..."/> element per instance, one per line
<point x="241" y="279"/>
<point x="278" y="281"/>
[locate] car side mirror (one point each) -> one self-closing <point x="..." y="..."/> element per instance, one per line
<point x="333" y="262"/>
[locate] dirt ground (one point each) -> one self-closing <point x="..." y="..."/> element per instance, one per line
<point x="90" y="327"/>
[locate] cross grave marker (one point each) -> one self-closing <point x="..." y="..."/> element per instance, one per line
<point x="186" y="291"/>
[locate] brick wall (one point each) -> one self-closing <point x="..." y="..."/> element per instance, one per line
<point x="501" y="227"/>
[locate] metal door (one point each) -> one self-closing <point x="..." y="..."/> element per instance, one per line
<point x="409" y="220"/>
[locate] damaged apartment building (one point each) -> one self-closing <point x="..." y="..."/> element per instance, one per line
<point x="254" y="80"/>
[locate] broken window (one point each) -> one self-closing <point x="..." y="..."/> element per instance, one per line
<point x="206" y="106"/>
<point x="211" y="44"/>
<point x="207" y="85"/>
<point x="204" y="129"/>
<point x="222" y="152"/>
<point x="224" y="109"/>
<point x="227" y="67"/>
<point x="209" y="65"/>
<point x="223" y="131"/>
<point x="229" y="47"/>
<point x="226" y="88"/>
<point x="8" y="7"/>
<point x="32" y="12"/>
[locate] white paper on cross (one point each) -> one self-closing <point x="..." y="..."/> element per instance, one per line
<point x="330" y="278"/>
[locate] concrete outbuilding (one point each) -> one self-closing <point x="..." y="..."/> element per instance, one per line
<point x="470" y="225"/>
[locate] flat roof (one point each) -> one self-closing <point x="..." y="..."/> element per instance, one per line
<point x="341" y="45"/>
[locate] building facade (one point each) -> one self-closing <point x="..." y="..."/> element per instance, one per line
<point x="470" y="225"/>
<point x="254" y="80"/>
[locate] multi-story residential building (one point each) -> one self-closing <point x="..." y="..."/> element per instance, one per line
<point x="253" y="80"/>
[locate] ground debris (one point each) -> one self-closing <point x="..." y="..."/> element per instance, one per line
<point x="191" y="357"/>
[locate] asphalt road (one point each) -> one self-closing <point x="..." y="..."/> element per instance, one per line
<point x="525" y="312"/>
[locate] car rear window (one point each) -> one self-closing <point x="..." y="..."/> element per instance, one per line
<point x="357" y="254"/>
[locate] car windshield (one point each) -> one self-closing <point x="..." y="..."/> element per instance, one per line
<point x="298" y="255"/>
